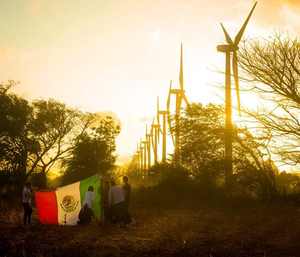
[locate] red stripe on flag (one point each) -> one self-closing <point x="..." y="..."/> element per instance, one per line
<point x="46" y="205"/>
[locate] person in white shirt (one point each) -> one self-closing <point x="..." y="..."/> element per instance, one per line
<point x="27" y="194"/>
<point x="89" y="198"/>
<point x="116" y="197"/>
<point x="86" y="213"/>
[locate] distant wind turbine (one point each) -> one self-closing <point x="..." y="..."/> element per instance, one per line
<point x="148" y="139"/>
<point x="164" y="131"/>
<point x="180" y="95"/>
<point x="155" y="129"/>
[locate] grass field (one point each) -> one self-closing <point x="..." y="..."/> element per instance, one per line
<point x="264" y="230"/>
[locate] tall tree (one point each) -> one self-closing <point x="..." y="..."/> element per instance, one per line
<point x="33" y="137"/>
<point x="202" y="142"/>
<point x="93" y="152"/>
<point x="271" y="68"/>
<point x="202" y="152"/>
<point x="16" y="143"/>
<point x="56" y="128"/>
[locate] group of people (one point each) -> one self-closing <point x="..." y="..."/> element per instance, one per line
<point x="116" y="201"/>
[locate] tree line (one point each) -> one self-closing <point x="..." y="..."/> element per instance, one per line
<point x="35" y="136"/>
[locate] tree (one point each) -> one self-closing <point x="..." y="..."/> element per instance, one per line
<point x="271" y="68"/>
<point x="16" y="142"/>
<point x="202" y="152"/>
<point x="202" y="143"/>
<point x="93" y="152"/>
<point x="254" y="169"/>
<point x="35" y="136"/>
<point x="56" y="128"/>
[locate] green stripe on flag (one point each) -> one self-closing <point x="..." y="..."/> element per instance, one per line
<point x="84" y="186"/>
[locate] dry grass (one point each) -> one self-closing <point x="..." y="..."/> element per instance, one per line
<point x="252" y="231"/>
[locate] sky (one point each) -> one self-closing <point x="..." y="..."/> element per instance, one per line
<point x="115" y="57"/>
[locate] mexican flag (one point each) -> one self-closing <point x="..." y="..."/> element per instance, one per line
<point x="62" y="205"/>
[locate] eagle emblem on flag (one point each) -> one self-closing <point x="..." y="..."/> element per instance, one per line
<point x="69" y="203"/>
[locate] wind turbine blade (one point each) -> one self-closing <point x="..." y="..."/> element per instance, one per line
<point x="241" y="32"/>
<point x="228" y="39"/>
<point x="153" y="146"/>
<point x="236" y="79"/>
<point x="171" y="129"/>
<point x="181" y="71"/>
<point x="169" y="96"/>
<point x="185" y="99"/>
<point x="151" y="131"/>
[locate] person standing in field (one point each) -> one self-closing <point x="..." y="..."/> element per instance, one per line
<point x="116" y="197"/>
<point x="86" y="213"/>
<point x="105" y="203"/>
<point x="127" y="190"/>
<point x="27" y="194"/>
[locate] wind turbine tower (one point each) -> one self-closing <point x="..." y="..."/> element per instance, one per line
<point x="142" y="156"/>
<point x="145" y="154"/>
<point x="180" y="94"/>
<point x="138" y="158"/>
<point x="156" y="128"/>
<point x="148" y="139"/>
<point x="232" y="47"/>
<point x="164" y="131"/>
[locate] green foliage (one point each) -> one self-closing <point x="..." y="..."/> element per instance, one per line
<point x="289" y="183"/>
<point x="35" y="136"/>
<point x="93" y="152"/>
<point x="16" y="141"/>
<point x="202" y="143"/>
<point x="202" y="153"/>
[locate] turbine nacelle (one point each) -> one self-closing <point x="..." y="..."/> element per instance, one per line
<point x="227" y="48"/>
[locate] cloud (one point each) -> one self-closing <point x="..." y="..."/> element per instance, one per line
<point x="103" y="114"/>
<point x="121" y="160"/>
<point x="21" y="55"/>
<point x="36" y="6"/>
<point x="145" y="119"/>
<point x="155" y="35"/>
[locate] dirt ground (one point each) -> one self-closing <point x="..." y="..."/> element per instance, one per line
<point x="252" y="231"/>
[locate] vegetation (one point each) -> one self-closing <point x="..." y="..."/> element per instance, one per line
<point x="180" y="208"/>
<point x="271" y="68"/>
<point x="92" y="152"/>
<point x="36" y="136"/>
<point x="263" y="230"/>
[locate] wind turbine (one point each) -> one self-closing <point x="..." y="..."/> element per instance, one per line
<point x="164" y="131"/>
<point x="148" y="139"/>
<point x="142" y="155"/>
<point x="145" y="154"/>
<point x="180" y="95"/>
<point x="227" y="49"/>
<point x="138" y="157"/>
<point x="155" y="127"/>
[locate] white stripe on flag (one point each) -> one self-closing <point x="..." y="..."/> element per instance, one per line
<point x="68" y="204"/>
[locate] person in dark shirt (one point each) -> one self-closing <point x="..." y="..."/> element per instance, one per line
<point x="127" y="190"/>
<point x="104" y="202"/>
